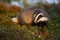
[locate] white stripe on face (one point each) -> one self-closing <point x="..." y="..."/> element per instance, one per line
<point x="34" y="15"/>
<point x="41" y="13"/>
<point x="37" y="16"/>
<point x="42" y="19"/>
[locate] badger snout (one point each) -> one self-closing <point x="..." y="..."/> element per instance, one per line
<point x="43" y="19"/>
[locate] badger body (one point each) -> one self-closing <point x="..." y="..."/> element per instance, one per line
<point x="29" y="16"/>
<point x="32" y="16"/>
<point x="25" y="17"/>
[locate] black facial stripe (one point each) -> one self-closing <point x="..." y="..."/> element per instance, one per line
<point x="40" y="16"/>
<point x="36" y="13"/>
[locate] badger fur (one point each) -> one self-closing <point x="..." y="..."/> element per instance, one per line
<point x="33" y="17"/>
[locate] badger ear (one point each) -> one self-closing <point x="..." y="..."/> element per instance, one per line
<point x="14" y="20"/>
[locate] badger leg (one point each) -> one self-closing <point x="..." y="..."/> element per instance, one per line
<point x="41" y="31"/>
<point x="28" y="27"/>
<point x="43" y="26"/>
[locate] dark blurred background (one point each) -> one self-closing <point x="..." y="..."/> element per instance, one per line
<point x="13" y="31"/>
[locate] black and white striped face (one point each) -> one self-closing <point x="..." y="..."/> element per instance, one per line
<point x="38" y="17"/>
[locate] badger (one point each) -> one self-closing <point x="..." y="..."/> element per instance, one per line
<point x="32" y="17"/>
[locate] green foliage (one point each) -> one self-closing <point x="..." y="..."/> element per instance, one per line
<point x="54" y="24"/>
<point x="8" y="1"/>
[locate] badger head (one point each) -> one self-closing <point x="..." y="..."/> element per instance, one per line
<point x="40" y="18"/>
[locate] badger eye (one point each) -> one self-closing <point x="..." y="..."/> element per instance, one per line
<point x="40" y="16"/>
